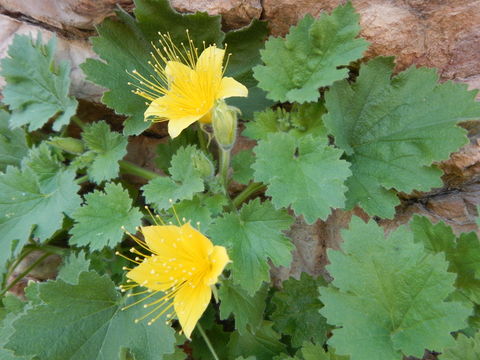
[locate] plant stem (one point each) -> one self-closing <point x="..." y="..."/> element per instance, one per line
<point x="201" y="139"/>
<point x="224" y="166"/>
<point x="207" y="341"/>
<point x="79" y="122"/>
<point x="82" y="179"/>
<point x="252" y="188"/>
<point x="24" y="273"/>
<point x="129" y="168"/>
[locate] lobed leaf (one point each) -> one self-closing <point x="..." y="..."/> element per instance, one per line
<point x="184" y="183"/>
<point x="253" y="236"/>
<point x="99" y="220"/>
<point x="84" y="322"/>
<point x="37" y="89"/>
<point x="297" y="311"/>
<point x="391" y="128"/>
<point x="13" y="144"/>
<point x="305" y="173"/>
<point x="388" y="296"/>
<point x="311" y="56"/>
<point x="108" y="149"/>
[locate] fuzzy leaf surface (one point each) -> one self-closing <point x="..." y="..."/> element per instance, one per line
<point x="264" y="344"/>
<point x="305" y="173"/>
<point x="37" y="88"/>
<point x="33" y="200"/>
<point x="297" y="310"/>
<point x="99" y="221"/>
<point x="73" y="266"/>
<point x="388" y="295"/>
<point x="84" y="322"/>
<point x="391" y="128"/>
<point x="464" y="349"/>
<point x="108" y="148"/>
<point x="242" y="166"/>
<point x="13" y="145"/>
<point x="253" y="236"/>
<point x="300" y="121"/>
<point x="184" y="183"/>
<point x="247" y="310"/>
<point x="462" y="253"/>
<point x="309" y="56"/>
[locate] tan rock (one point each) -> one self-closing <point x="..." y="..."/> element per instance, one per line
<point x="74" y="51"/>
<point x="442" y="34"/>
<point x="85" y="14"/>
<point x="81" y="14"/>
<point x="235" y="13"/>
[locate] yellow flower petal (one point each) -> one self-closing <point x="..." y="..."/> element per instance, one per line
<point x="176" y="126"/>
<point x="210" y="62"/>
<point x="230" y="87"/>
<point x="147" y="274"/>
<point x="190" y="303"/>
<point x="178" y="72"/>
<point x="218" y="259"/>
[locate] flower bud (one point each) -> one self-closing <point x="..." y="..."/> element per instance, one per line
<point x="68" y="144"/>
<point x="203" y="164"/>
<point x="224" y="121"/>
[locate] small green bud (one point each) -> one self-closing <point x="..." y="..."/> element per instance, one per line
<point x="68" y="144"/>
<point x="203" y="164"/>
<point x="224" y="121"/>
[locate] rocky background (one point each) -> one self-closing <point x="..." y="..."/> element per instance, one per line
<point x="439" y="33"/>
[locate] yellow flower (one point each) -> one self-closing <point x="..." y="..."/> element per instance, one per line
<point x="183" y="266"/>
<point x="186" y="86"/>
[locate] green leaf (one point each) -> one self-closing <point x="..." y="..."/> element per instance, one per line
<point x="304" y="173"/>
<point x="109" y="147"/>
<point x="84" y="322"/>
<point x="215" y="333"/>
<point x="242" y="166"/>
<point x="464" y="349"/>
<point x="297" y="310"/>
<point x="167" y="150"/>
<point x="124" y="45"/>
<point x="253" y="236"/>
<point x="13" y="307"/>
<point x="316" y="352"/>
<point x="301" y="120"/>
<point x="247" y="310"/>
<point x="13" y="145"/>
<point x="99" y="221"/>
<point x="310" y="56"/>
<point x="33" y="201"/>
<point x="202" y="208"/>
<point x="392" y="128"/>
<point x="73" y="266"/>
<point x="462" y="254"/>
<point x="182" y="185"/>
<point x="37" y="89"/>
<point x="388" y="296"/>
<point x="264" y="344"/>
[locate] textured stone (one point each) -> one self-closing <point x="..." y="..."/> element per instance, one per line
<point x="235" y="13"/>
<point x="75" y="51"/>
<point x="85" y="14"/>
<point x="65" y="14"/>
<point x="440" y="33"/>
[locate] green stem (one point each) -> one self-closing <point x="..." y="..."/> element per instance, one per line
<point x="52" y="249"/>
<point x="224" y="166"/>
<point x="22" y="256"/>
<point x="207" y="341"/>
<point x="79" y="122"/>
<point x="24" y="273"/>
<point x="252" y="188"/>
<point x="82" y="179"/>
<point x="201" y="139"/>
<point x="127" y="167"/>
